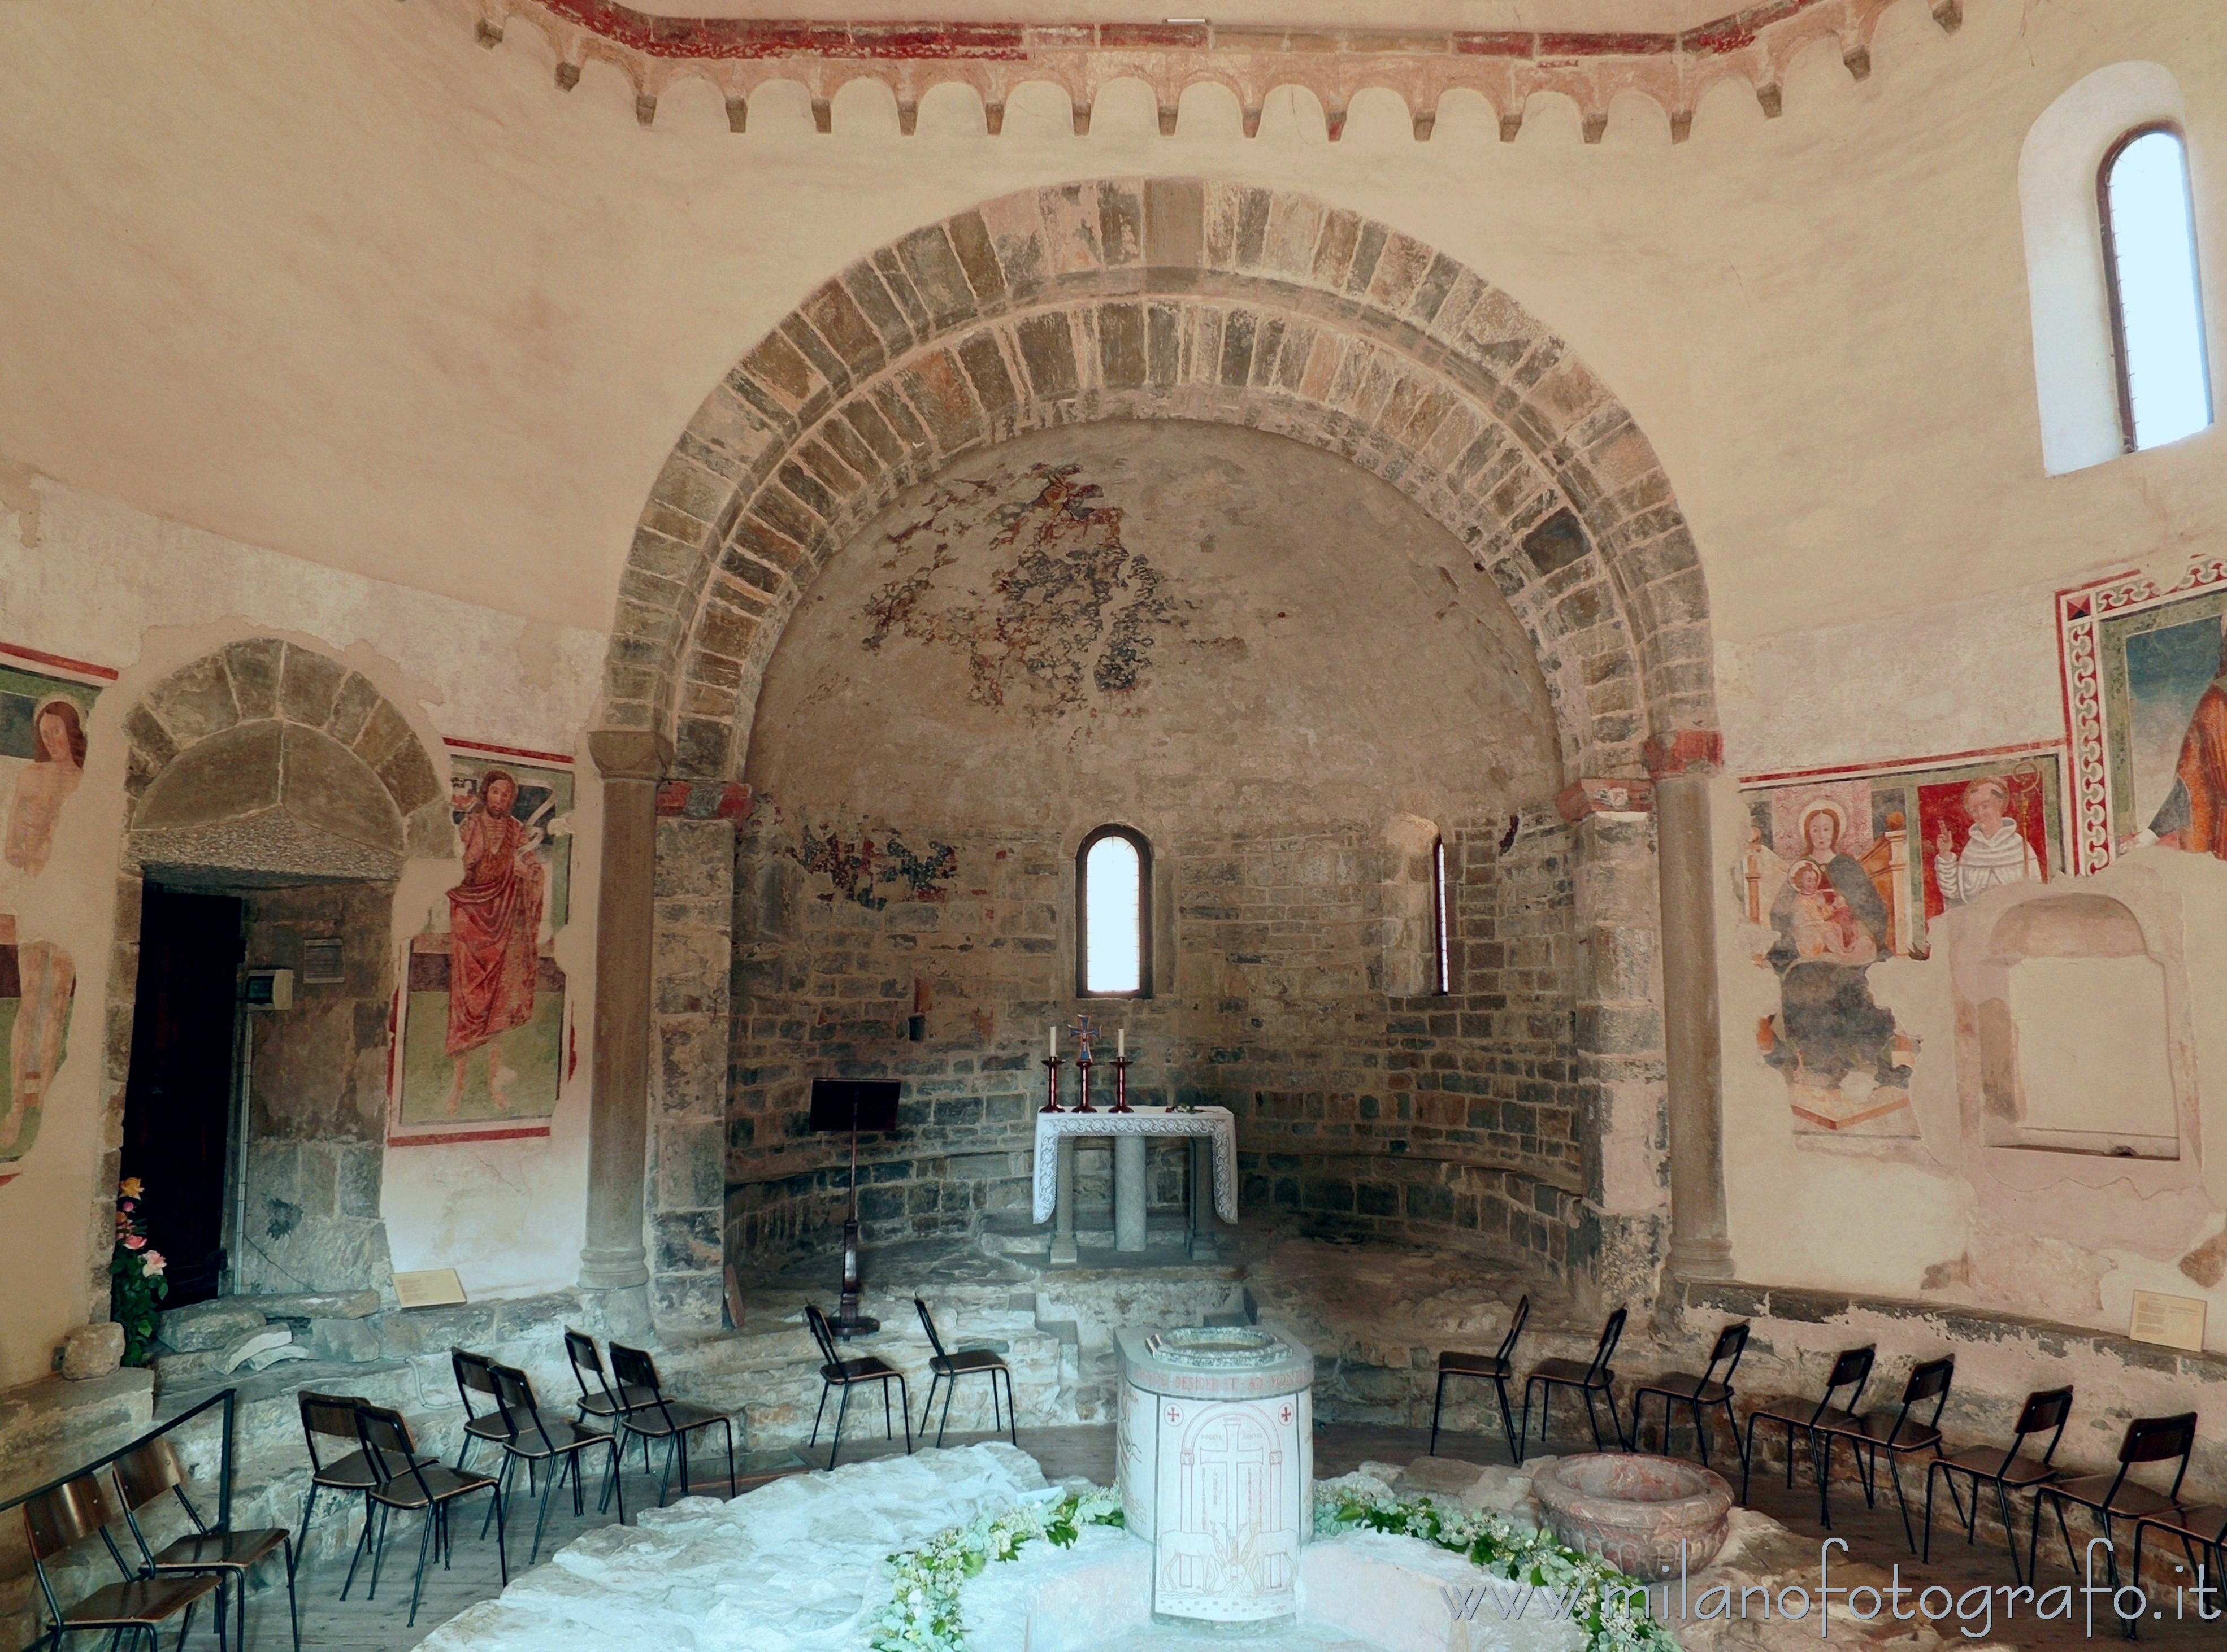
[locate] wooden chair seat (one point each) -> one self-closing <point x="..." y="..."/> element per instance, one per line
<point x="350" y="1473"/>
<point x="442" y="1482"/>
<point x="1798" y="1410"/>
<point x="2015" y="1468"/>
<point x="1687" y="1384"/>
<point x="1476" y="1365"/>
<point x="2203" y="1523"/>
<point x="143" y="1600"/>
<point x="966" y="1362"/>
<point x="2094" y="1491"/>
<point x="865" y="1368"/>
<point x="628" y="1397"/>
<point x="233" y="1551"/>
<point x="563" y="1437"/>
<point x="674" y="1417"/>
<point x="1895" y="1433"/>
<point x="1575" y="1373"/>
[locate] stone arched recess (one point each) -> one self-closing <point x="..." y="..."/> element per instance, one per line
<point x="268" y="765"/>
<point x="1182" y="298"/>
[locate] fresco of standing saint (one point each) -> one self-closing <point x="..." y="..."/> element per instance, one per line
<point x="484" y="1016"/>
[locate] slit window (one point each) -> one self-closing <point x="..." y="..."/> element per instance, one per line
<point x="1113" y="873"/>
<point x="1442" y="974"/>
<point x="2157" y="310"/>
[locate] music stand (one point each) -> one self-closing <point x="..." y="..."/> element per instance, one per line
<point x="853" y="1105"/>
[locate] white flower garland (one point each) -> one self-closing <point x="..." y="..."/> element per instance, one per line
<point x="1599" y="1597"/>
<point x="923" y="1614"/>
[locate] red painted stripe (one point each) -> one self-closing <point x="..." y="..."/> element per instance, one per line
<point x="509" y="751"/>
<point x="733" y="37"/>
<point x="1851" y="771"/>
<point x="61" y="661"/>
<point x="525" y="1132"/>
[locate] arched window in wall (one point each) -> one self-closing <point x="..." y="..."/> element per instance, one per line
<point x="2112" y="268"/>
<point x="1112" y="915"/>
<point x="2157" y="305"/>
<point x="1441" y="931"/>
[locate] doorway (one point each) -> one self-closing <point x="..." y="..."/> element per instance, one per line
<point x="178" y="1098"/>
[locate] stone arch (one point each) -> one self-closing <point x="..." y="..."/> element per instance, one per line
<point x="261" y="766"/>
<point x="264" y="749"/>
<point x="1160" y="298"/>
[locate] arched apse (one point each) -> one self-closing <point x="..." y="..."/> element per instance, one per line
<point x="1140" y="299"/>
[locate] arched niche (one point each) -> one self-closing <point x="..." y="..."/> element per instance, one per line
<point x="270" y="773"/>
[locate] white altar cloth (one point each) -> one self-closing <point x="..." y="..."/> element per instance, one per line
<point x="1218" y="1125"/>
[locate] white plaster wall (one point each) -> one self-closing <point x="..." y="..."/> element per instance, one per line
<point x="93" y="579"/>
<point x="449" y="341"/>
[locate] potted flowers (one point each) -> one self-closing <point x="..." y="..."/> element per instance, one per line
<point x="135" y="1275"/>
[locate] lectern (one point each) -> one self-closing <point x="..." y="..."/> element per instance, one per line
<point x="853" y="1105"/>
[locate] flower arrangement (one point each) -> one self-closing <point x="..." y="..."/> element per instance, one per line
<point x="1599" y="1597"/>
<point x="136" y="1281"/>
<point x="923" y="1614"/>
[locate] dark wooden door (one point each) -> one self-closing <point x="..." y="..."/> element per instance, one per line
<point x="177" y="1103"/>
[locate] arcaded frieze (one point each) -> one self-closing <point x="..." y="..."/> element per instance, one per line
<point x="1506" y="67"/>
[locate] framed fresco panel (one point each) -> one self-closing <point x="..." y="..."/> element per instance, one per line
<point x="1846" y="867"/>
<point x="2145" y="671"/>
<point x="483" y="1000"/>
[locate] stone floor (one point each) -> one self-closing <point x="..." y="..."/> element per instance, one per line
<point x="330" y="1625"/>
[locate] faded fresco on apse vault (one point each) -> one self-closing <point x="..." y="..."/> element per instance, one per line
<point x="42" y="751"/>
<point x="1846" y="868"/>
<point x="484" y="1038"/>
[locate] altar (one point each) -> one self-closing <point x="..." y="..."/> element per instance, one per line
<point x="1212" y="1133"/>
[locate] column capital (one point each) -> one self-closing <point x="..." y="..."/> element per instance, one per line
<point x="1604" y="794"/>
<point x="1685" y="751"/>
<point x="630" y="754"/>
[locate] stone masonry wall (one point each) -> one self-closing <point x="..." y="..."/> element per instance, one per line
<point x="1358" y="1114"/>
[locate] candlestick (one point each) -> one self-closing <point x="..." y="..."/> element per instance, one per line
<point x="1051" y="1068"/>
<point x="1083" y="1066"/>
<point x="1121" y="1085"/>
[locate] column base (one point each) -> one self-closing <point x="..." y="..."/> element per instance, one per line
<point x="623" y="1313"/>
<point x="614" y="1268"/>
<point x="1064" y="1254"/>
<point x="1701" y="1258"/>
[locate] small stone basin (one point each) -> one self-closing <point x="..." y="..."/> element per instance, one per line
<point x="1635" y="1511"/>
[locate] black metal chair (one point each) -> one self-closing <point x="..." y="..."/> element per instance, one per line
<point x="1495" y="1368"/>
<point x="662" y="1417"/>
<point x="143" y="1476"/>
<point x="1700" y="1393"/>
<point x="1874" y="1433"/>
<point x="2007" y="1469"/>
<point x="331" y="1417"/>
<point x="837" y="1372"/>
<point x="535" y="1440"/>
<point x="1588" y="1377"/>
<point x="2203" y="1524"/>
<point x="476" y="1374"/>
<point x="58" y="1520"/>
<point x="598" y="1399"/>
<point x="405" y="1479"/>
<point x="1852" y="1369"/>
<point x="2147" y="1439"/>
<point x="949" y="1368"/>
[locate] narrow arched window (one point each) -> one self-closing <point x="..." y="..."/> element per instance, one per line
<point x="2157" y="307"/>
<point x="1112" y="915"/>
<point x="1442" y="954"/>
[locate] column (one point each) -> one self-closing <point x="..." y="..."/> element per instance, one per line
<point x="1701" y="1244"/>
<point x="1202" y="1240"/>
<point x="1064" y="1251"/>
<point x="631" y="763"/>
<point x="1129" y="1193"/>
